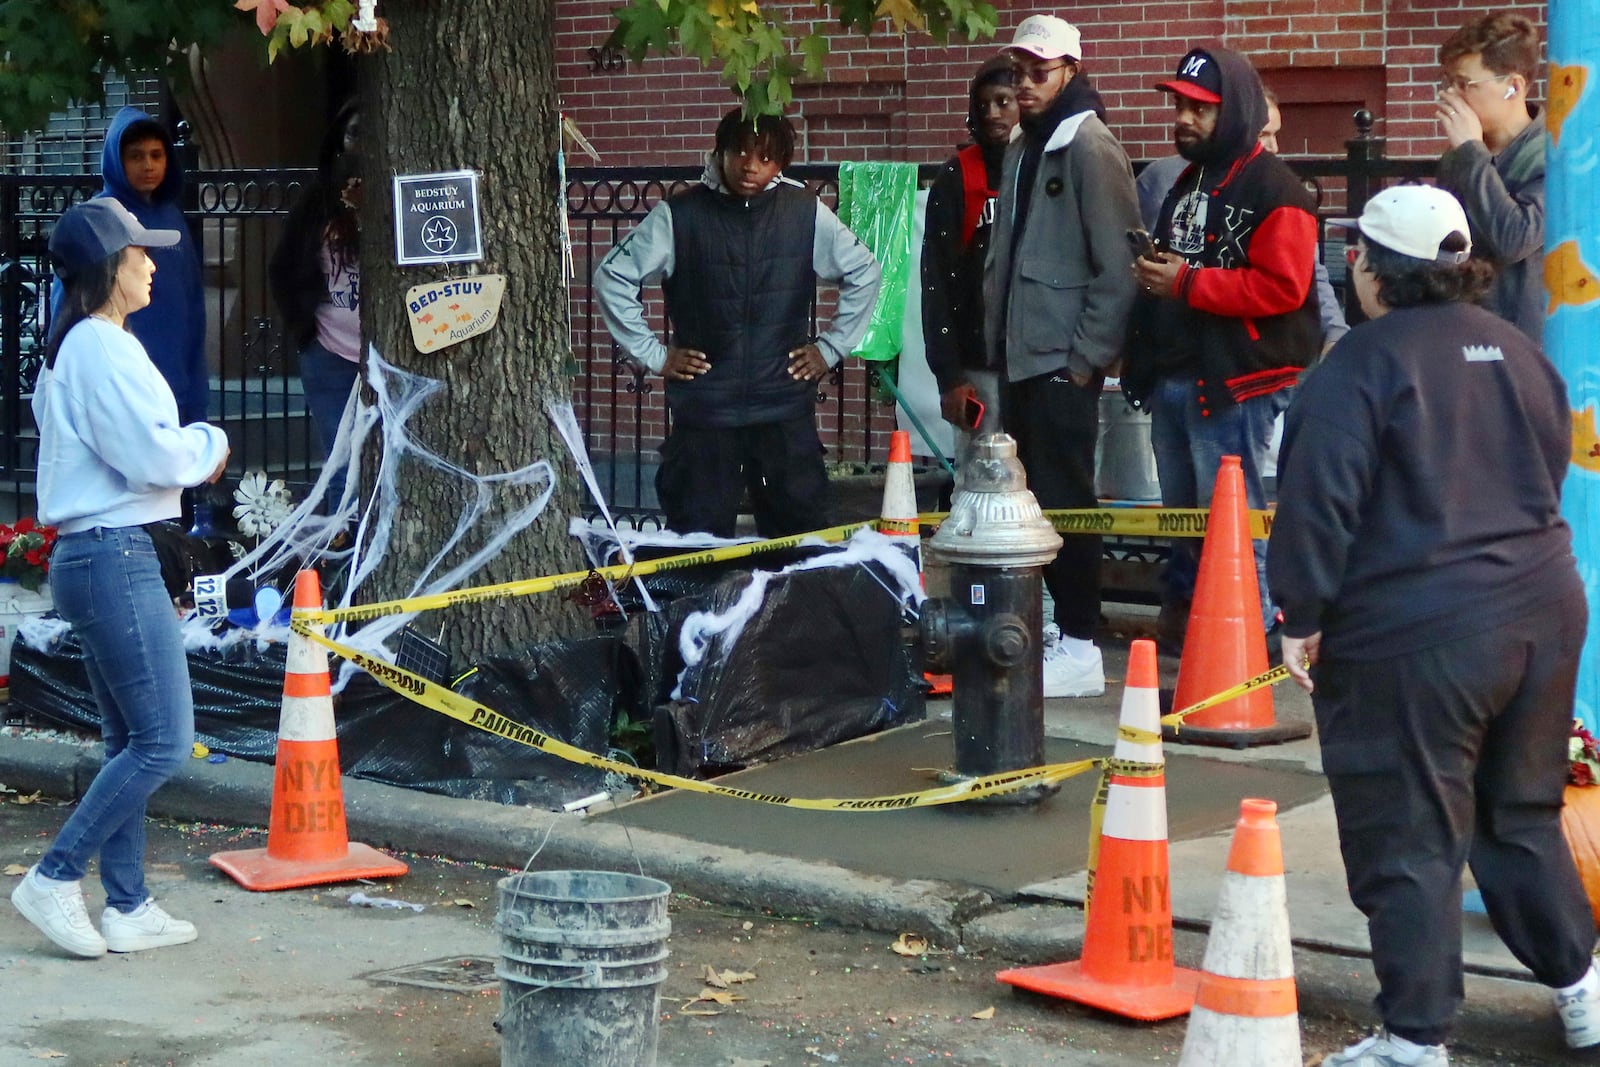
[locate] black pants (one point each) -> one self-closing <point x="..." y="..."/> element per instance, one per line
<point x="705" y="472"/>
<point x="1458" y="754"/>
<point x="1055" y="424"/>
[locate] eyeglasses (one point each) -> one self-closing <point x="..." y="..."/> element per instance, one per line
<point x="1461" y="85"/>
<point x="1040" y="74"/>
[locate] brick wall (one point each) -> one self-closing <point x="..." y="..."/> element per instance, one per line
<point x="897" y="98"/>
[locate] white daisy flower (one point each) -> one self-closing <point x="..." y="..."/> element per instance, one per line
<point x="262" y="506"/>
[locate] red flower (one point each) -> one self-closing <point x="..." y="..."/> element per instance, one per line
<point x="35" y="557"/>
<point x="1580" y="774"/>
<point x="25" y="524"/>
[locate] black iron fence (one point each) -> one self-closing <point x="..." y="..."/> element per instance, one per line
<point x="237" y="216"/>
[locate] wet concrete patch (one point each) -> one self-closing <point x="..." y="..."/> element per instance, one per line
<point x="1001" y="849"/>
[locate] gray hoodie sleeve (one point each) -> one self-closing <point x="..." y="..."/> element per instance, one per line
<point x="644" y="256"/>
<point x="837" y="255"/>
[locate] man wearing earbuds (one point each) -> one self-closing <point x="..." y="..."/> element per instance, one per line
<point x="1495" y="164"/>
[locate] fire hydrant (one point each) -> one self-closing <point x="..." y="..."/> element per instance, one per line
<point x="988" y="634"/>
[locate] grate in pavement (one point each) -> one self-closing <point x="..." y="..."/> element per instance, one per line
<point x="456" y="974"/>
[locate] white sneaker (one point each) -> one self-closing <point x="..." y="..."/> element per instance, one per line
<point x="57" y="910"/>
<point x="1069" y="674"/>
<point x="147" y="926"/>
<point x="1379" y="1051"/>
<point x="1052" y="636"/>
<point x="1580" y="1017"/>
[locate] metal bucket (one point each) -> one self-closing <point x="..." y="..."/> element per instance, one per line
<point x="1124" y="464"/>
<point x="582" y="958"/>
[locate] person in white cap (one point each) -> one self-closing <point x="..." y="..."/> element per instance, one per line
<point x="114" y="455"/>
<point x="1433" y="609"/>
<point x="1057" y="292"/>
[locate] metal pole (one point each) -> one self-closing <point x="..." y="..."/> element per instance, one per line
<point x="1572" y="275"/>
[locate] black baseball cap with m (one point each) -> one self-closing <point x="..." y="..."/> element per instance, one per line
<point x="90" y="232"/>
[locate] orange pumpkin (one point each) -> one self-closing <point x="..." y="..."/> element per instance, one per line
<point x="1580" y="822"/>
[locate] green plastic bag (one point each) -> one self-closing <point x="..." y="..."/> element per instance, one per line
<point x="877" y="201"/>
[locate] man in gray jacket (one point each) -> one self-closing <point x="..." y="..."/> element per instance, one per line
<point x="1495" y="165"/>
<point x="1057" y="292"/>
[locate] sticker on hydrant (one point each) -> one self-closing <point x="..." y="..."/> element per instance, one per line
<point x="447" y="313"/>
<point x="977" y="594"/>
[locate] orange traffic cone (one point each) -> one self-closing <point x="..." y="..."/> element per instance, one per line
<point x="1226" y="643"/>
<point x="307" y="843"/>
<point x="1127" y="963"/>
<point x="1246" y="1013"/>
<point x="898" y="519"/>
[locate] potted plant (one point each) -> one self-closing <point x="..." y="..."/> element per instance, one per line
<point x="25" y="553"/>
<point x="25" y="548"/>
<point x="1580" y="816"/>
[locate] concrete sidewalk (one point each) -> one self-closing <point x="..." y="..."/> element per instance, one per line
<point x="1038" y="922"/>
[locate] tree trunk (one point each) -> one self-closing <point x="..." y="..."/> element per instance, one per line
<point x="470" y="84"/>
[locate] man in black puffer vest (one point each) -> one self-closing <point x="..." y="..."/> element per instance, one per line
<point x="1227" y="315"/>
<point x="738" y="258"/>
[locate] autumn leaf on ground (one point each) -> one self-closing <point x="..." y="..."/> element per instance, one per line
<point x="463" y="902"/>
<point x="986" y="1013"/>
<point x="718" y="996"/>
<point x="696" y="1011"/>
<point x="713" y="978"/>
<point x="48" y="1054"/>
<point x="31" y="798"/>
<point x="16" y="870"/>
<point x="910" y="945"/>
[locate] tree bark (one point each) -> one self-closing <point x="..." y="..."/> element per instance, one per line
<point x="470" y="84"/>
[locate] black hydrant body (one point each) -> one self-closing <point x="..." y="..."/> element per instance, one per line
<point x="988" y="634"/>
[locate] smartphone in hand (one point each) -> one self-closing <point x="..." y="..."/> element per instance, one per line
<point x="1142" y="243"/>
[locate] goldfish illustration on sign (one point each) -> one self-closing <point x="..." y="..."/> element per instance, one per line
<point x="1567" y="278"/>
<point x="1566" y="89"/>
<point x="1585" y="442"/>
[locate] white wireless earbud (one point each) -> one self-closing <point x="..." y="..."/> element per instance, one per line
<point x="1511" y="90"/>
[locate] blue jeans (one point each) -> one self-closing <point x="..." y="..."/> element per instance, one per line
<point x="327" y="380"/>
<point x="1189" y="448"/>
<point x="107" y="584"/>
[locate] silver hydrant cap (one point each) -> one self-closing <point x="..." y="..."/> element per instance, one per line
<point x="994" y="520"/>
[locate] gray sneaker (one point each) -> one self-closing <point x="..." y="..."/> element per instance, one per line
<point x="1580" y="1017"/>
<point x="58" y="911"/>
<point x="1379" y="1051"/>
<point x="147" y="926"/>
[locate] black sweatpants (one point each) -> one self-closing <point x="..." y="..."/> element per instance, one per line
<point x="1458" y="754"/>
<point x="705" y="472"/>
<point x="1055" y="424"/>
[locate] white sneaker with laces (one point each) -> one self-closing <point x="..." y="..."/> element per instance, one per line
<point x="147" y="926"/>
<point x="1379" y="1051"/>
<point x="1580" y="1017"/>
<point x="1073" y="674"/>
<point x="57" y="909"/>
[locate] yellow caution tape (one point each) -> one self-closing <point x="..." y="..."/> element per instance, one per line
<point x="1139" y="521"/>
<point x="438" y="698"/>
<point x="1152" y="522"/>
<point x="1270" y="677"/>
<point x="549" y="583"/>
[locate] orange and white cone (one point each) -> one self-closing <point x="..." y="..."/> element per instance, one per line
<point x="1246" y="1012"/>
<point x="1127" y="965"/>
<point x="1226" y="643"/>
<point x="307" y="843"/>
<point x="898" y="519"/>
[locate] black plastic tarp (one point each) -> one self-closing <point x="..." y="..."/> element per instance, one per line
<point x="822" y="660"/>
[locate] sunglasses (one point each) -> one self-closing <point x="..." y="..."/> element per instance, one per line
<point x="1040" y="74"/>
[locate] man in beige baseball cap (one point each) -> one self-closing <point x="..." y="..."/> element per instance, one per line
<point x="1057" y="291"/>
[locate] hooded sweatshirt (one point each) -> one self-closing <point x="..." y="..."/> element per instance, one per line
<point x="173" y="328"/>
<point x="1242" y="320"/>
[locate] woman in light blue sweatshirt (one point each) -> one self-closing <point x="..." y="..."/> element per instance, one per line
<point x="113" y="457"/>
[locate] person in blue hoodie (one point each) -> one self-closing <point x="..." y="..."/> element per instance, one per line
<point x="140" y="169"/>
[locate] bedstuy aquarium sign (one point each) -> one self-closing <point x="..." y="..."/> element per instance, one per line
<point x="436" y="218"/>
<point x="447" y="313"/>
